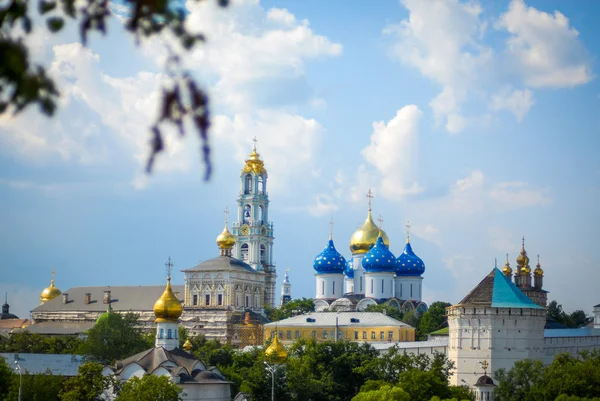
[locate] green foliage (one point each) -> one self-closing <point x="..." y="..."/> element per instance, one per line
<point x="113" y="338"/>
<point x="40" y="387"/>
<point x="414" y="319"/>
<point x="292" y="308"/>
<point x="6" y="377"/>
<point x="384" y="393"/>
<point x="565" y="397"/>
<point x="149" y="388"/>
<point x="575" y="319"/>
<point x="423" y="385"/>
<point x="26" y="342"/>
<point x="212" y="352"/>
<point x="384" y="308"/>
<point x="88" y="385"/>
<point x="434" y="319"/>
<point x="23" y="84"/>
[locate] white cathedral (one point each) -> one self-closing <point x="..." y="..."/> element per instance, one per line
<point x="373" y="275"/>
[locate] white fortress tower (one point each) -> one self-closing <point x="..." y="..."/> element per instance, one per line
<point x="495" y="322"/>
<point x="253" y="231"/>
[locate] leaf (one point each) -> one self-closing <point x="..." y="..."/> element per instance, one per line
<point x="55" y="24"/>
<point x="46" y="6"/>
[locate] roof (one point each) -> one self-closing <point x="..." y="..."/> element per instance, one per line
<point x="443" y="342"/>
<point x="152" y="358"/>
<point x="582" y="332"/>
<point x="485" y="381"/>
<point x="497" y="291"/>
<point x="123" y="299"/>
<point x="59" y="328"/>
<point x="597" y="306"/>
<point x="58" y="364"/>
<point x="441" y="332"/>
<point x="222" y="263"/>
<point x="9" y="324"/>
<point x="364" y="319"/>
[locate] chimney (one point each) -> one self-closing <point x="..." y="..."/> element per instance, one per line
<point x="88" y="298"/>
<point x="65" y="298"/>
<point x="107" y="296"/>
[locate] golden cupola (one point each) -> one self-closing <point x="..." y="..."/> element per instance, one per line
<point x="523" y="261"/>
<point x="187" y="345"/>
<point x="365" y="237"/>
<point x="507" y="270"/>
<point x="538" y="268"/>
<point x="254" y="164"/>
<point x="167" y="308"/>
<point x="50" y="292"/>
<point x="225" y="240"/>
<point x="276" y="351"/>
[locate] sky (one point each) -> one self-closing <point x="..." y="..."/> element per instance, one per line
<point x="475" y="121"/>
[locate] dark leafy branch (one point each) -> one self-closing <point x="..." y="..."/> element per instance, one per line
<point x="23" y="84"/>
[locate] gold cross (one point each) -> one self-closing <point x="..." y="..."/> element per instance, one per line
<point x="380" y="220"/>
<point x="484" y="365"/>
<point x="407" y="230"/>
<point x="370" y="197"/>
<point x="226" y="214"/>
<point x="331" y="223"/>
<point x="169" y="265"/>
<point x="254" y="140"/>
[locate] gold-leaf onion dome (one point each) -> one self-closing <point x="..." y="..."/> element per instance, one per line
<point x="276" y="350"/>
<point x="187" y="345"/>
<point x="253" y="163"/>
<point x="365" y="236"/>
<point x="538" y="270"/>
<point x="225" y="240"/>
<point x="167" y="308"/>
<point x="507" y="270"/>
<point x="49" y="293"/>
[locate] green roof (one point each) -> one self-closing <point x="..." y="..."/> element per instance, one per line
<point x="441" y="332"/>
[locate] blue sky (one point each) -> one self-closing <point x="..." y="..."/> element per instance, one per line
<point x="476" y="121"/>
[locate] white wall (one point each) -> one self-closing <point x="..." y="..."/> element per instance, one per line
<point x="206" y="391"/>
<point x="329" y="286"/>
<point x="408" y="288"/>
<point x="374" y="282"/>
<point x="359" y="272"/>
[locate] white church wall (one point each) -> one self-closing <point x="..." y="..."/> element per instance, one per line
<point x="408" y="287"/>
<point x="379" y="285"/>
<point x="206" y="391"/>
<point x="329" y="286"/>
<point x="359" y="273"/>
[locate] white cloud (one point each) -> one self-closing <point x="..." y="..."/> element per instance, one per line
<point x="460" y="266"/>
<point x="517" y="101"/>
<point x="445" y="41"/>
<point x="393" y="150"/>
<point x="546" y="47"/>
<point x="323" y="205"/>
<point x="519" y="194"/>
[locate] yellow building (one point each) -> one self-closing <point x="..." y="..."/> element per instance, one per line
<point x="371" y="327"/>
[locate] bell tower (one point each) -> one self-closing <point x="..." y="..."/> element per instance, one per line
<point x="253" y="231"/>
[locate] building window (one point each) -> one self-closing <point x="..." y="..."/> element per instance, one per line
<point x="411" y="291"/>
<point x="332" y="334"/>
<point x="195" y="299"/>
<point x="248" y="184"/>
<point x="372" y="335"/>
<point x="263" y="254"/>
<point x="381" y="285"/>
<point x="364" y="335"/>
<point x="382" y="335"/>
<point x="281" y="335"/>
<point x="247" y="301"/>
<point x="207" y="299"/>
<point x="244" y="252"/>
<point x="360" y="282"/>
<point x="356" y="335"/>
<point x="220" y="299"/>
<point x="323" y="287"/>
<point x="333" y="288"/>
<point x="371" y="286"/>
<point x="324" y="334"/>
<point x="161" y="333"/>
<point x="390" y="335"/>
<point x="297" y="334"/>
<point x="401" y="290"/>
<point x="314" y="334"/>
<point x="288" y="334"/>
<point x="169" y="334"/>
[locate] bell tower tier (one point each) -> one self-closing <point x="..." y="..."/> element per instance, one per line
<point x="253" y="231"/>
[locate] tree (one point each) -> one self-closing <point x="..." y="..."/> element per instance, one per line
<point x="114" y="337"/>
<point x="6" y="377"/>
<point x="384" y="393"/>
<point x="149" y="388"/>
<point x="387" y="309"/>
<point x="434" y="319"/>
<point x="524" y="382"/>
<point x="88" y="385"/>
<point x="423" y="385"/>
<point x="575" y="319"/>
<point x="27" y="342"/>
<point x="24" y="84"/>
<point x="291" y="308"/>
<point x="38" y="387"/>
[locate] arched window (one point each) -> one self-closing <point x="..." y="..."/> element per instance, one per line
<point x="263" y="254"/>
<point x="260" y="214"/>
<point x="161" y="333"/>
<point x="244" y="250"/>
<point x="247" y="214"/>
<point x="248" y="184"/>
<point x="261" y="187"/>
<point x="169" y="334"/>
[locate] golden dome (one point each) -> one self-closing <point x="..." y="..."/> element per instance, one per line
<point x="225" y="240"/>
<point x="276" y="351"/>
<point x="365" y="236"/>
<point x="538" y="268"/>
<point x="49" y="293"/>
<point x="523" y="259"/>
<point x="507" y="270"/>
<point x="254" y="164"/>
<point x="167" y="308"/>
<point x="187" y="345"/>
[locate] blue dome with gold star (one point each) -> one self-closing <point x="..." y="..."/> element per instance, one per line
<point x="349" y="271"/>
<point x="409" y="264"/>
<point x="329" y="261"/>
<point x="379" y="258"/>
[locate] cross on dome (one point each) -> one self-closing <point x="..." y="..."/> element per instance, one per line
<point x="380" y="221"/>
<point x="169" y="265"/>
<point x="53" y="273"/>
<point x="484" y="365"/>
<point x="370" y="197"/>
<point x="331" y="223"/>
<point x="407" y="231"/>
<point x="254" y="140"/>
<point x="226" y="215"/>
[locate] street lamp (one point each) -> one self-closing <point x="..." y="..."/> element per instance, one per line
<point x="18" y="368"/>
<point x="272" y="368"/>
